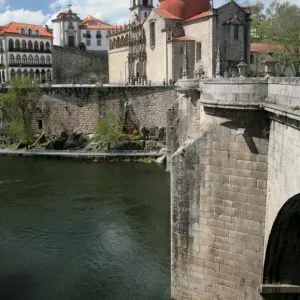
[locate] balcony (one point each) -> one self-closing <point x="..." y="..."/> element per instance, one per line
<point x="29" y="50"/>
<point x="28" y="65"/>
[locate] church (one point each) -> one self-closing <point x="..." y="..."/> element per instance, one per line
<point x="179" y="38"/>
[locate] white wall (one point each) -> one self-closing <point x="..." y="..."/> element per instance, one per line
<point x="94" y="47"/>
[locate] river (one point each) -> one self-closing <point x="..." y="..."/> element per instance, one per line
<point x="79" y="230"/>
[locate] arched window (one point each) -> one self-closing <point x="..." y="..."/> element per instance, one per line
<point x="42" y="60"/>
<point x="43" y="73"/>
<point x="31" y="74"/>
<point x="19" y="73"/>
<point x="11" y="60"/>
<point x="10" y="45"/>
<point x="88" y="34"/>
<point x="37" y="75"/>
<point x="37" y="32"/>
<point x="24" y="59"/>
<point x="18" y="45"/>
<point x="48" y="60"/>
<point x="48" y="46"/>
<point x="22" y="31"/>
<point x="12" y="74"/>
<point x="29" y="31"/>
<point x="30" y="46"/>
<point x="152" y="35"/>
<point x="49" y="75"/>
<point x="25" y="73"/>
<point x="42" y="46"/>
<point x="36" y="60"/>
<point x="18" y="59"/>
<point x="24" y="45"/>
<point x="30" y="59"/>
<point x="138" y="69"/>
<point x="36" y="46"/>
<point x="98" y="34"/>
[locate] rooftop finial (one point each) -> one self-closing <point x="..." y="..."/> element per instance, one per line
<point x="70" y="5"/>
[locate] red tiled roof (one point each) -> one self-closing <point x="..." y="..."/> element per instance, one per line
<point x="183" y="38"/>
<point x="14" y="28"/>
<point x="265" y="48"/>
<point x="164" y="14"/>
<point x="200" y="16"/>
<point x="100" y="26"/>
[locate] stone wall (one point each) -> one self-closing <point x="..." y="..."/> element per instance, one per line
<point x="72" y="65"/>
<point x="218" y="209"/>
<point x="234" y="154"/>
<point x="68" y="109"/>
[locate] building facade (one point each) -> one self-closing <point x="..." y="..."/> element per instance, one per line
<point x="25" y="50"/>
<point x="89" y="34"/>
<point x="157" y="41"/>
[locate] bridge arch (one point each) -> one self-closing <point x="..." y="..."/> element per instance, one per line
<point x="282" y="260"/>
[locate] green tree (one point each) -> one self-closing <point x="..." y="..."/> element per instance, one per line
<point x="257" y="18"/>
<point x="109" y="129"/>
<point x="282" y="27"/>
<point x="19" y="105"/>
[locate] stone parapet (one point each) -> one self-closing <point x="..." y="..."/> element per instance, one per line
<point x="284" y="91"/>
<point x="248" y="93"/>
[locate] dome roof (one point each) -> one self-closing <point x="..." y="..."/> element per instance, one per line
<point x="185" y="9"/>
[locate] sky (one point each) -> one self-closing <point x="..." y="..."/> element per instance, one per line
<point x="41" y="12"/>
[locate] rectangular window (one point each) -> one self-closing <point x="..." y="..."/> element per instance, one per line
<point x="198" y="51"/>
<point x="88" y="42"/>
<point x="236" y="33"/>
<point x="40" y="124"/>
<point x="98" y="42"/>
<point x="152" y="34"/>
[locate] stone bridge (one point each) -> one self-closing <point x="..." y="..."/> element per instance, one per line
<point x="234" y="157"/>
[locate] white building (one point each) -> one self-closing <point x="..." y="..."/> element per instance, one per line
<point x="25" y="50"/>
<point x="89" y="34"/>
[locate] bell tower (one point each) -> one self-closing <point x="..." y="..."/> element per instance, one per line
<point x="141" y="8"/>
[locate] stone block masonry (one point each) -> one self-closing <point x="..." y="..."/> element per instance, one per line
<point x="218" y="198"/>
<point x="75" y="108"/>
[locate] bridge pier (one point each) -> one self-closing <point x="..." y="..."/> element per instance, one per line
<point x="224" y="180"/>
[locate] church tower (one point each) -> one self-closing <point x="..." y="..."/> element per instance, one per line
<point x="141" y="7"/>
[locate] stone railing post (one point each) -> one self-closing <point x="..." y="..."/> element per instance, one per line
<point x="242" y="68"/>
<point x="270" y="64"/>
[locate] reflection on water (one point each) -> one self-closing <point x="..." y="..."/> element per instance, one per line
<point x="76" y="230"/>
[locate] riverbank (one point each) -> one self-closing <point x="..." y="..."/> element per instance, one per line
<point x="86" y="155"/>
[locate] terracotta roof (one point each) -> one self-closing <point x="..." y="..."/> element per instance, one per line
<point x="164" y="14"/>
<point x="183" y="38"/>
<point x="265" y="48"/>
<point x="200" y="16"/>
<point x="185" y="9"/>
<point x="14" y="28"/>
<point x="101" y="27"/>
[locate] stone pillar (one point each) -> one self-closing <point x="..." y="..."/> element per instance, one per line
<point x="242" y="67"/>
<point x="270" y="64"/>
<point x="185" y="63"/>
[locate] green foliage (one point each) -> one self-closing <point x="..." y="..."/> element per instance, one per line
<point x="109" y="129"/>
<point x="282" y="27"/>
<point x="257" y="18"/>
<point x="19" y="105"/>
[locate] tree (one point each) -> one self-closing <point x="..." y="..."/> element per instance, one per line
<point x="109" y="129"/>
<point x="257" y="18"/>
<point x="19" y="105"/>
<point x="282" y="27"/>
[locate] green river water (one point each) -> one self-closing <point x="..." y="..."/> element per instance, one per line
<point x="79" y="230"/>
